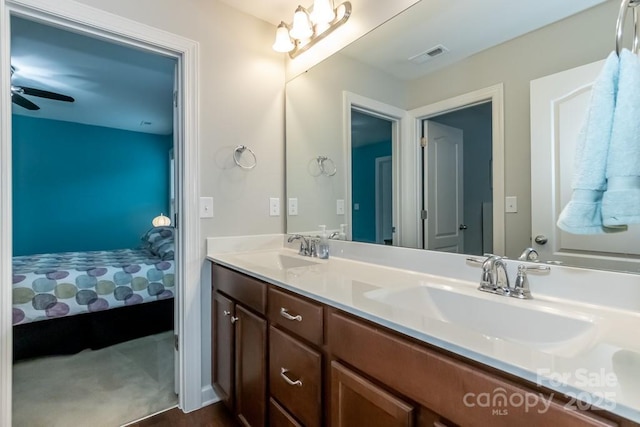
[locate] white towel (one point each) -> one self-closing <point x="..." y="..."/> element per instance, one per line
<point x="583" y="215"/>
<point x="621" y="200"/>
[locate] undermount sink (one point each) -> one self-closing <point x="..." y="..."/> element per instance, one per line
<point x="279" y="261"/>
<point x="496" y="316"/>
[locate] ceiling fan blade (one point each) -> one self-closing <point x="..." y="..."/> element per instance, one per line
<point x="20" y="100"/>
<point x="46" y="94"/>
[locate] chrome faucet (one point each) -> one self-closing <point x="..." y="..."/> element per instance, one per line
<point x="529" y="254"/>
<point x="494" y="276"/>
<point x="308" y="245"/>
<point x="495" y="279"/>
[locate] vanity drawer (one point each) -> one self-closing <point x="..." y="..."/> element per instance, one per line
<point x="279" y="417"/>
<point x="246" y="290"/>
<point x="448" y="386"/>
<point x="295" y="372"/>
<point x="300" y="316"/>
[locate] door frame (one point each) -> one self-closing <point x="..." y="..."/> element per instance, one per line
<point x="399" y="119"/>
<point x="189" y="254"/>
<point x="495" y="95"/>
<point x="379" y="199"/>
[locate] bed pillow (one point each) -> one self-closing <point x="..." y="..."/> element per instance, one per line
<point x="160" y="242"/>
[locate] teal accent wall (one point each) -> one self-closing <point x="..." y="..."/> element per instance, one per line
<point x="363" y="191"/>
<point x="80" y="188"/>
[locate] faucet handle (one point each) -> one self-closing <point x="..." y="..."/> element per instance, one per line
<point x="313" y="246"/>
<point x="521" y="286"/>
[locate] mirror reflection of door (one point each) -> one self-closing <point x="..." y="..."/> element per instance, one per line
<point x="457" y="196"/>
<point x="371" y="178"/>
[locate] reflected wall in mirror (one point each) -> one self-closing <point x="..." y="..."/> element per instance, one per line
<point x="317" y="122"/>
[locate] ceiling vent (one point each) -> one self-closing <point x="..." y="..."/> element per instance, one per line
<point x="429" y="54"/>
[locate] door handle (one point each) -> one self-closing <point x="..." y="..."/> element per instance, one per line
<point x="541" y="239"/>
<point x="463" y="227"/>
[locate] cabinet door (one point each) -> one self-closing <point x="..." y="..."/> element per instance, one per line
<point x="251" y="367"/>
<point x="222" y="352"/>
<point x="356" y="401"/>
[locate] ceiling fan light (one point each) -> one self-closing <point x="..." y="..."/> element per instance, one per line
<point x="283" y="42"/>
<point x="301" y="28"/>
<point x="323" y="12"/>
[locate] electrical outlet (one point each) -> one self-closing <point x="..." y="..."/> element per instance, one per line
<point x="340" y="207"/>
<point x="293" y="206"/>
<point x="206" y="207"/>
<point x="274" y="206"/>
<point x="511" y="204"/>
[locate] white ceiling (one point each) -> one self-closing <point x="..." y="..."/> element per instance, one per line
<point x="121" y="87"/>
<point x="113" y="85"/>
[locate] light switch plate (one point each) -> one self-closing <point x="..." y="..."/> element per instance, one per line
<point x="274" y="206"/>
<point x="206" y="207"/>
<point x="511" y="204"/>
<point x="293" y="206"/>
<point x="340" y="207"/>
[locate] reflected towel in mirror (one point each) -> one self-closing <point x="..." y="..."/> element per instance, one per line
<point x="583" y="215"/>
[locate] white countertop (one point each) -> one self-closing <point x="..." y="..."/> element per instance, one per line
<point x="600" y="364"/>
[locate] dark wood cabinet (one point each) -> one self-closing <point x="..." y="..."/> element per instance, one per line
<point x="223" y="311"/>
<point x="281" y="359"/>
<point x="239" y="353"/>
<point x="251" y="367"/>
<point x="356" y="401"/>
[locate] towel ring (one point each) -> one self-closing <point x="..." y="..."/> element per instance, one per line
<point x="238" y="152"/>
<point x="622" y="14"/>
<point x="322" y="164"/>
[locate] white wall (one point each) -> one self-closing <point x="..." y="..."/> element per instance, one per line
<point x="241" y="83"/>
<point x="577" y="40"/>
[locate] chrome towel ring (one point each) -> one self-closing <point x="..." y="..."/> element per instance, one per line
<point x="327" y="166"/>
<point x="237" y="153"/>
<point x="622" y="14"/>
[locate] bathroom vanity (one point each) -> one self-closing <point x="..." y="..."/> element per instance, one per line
<point x="300" y="341"/>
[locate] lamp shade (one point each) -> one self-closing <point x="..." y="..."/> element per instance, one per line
<point x="161" y="221"/>
<point x="301" y="28"/>
<point x="283" y="42"/>
<point x="322" y="12"/>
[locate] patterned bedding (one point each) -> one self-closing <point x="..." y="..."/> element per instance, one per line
<point x="47" y="286"/>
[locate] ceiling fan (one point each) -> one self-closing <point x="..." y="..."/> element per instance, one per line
<point x="17" y="97"/>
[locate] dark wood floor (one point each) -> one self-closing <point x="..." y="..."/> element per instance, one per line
<point x="215" y="415"/>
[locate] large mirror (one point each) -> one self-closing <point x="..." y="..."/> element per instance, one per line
<point x="456" y="76"/>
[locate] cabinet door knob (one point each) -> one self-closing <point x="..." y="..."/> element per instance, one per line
<point x="234" y="319"/>
<point x="284" y="313"/>
<point x="226" y="313"/>
<point x="283" y="374"/>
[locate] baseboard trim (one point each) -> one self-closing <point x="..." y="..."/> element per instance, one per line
<point x="209" y="396"/>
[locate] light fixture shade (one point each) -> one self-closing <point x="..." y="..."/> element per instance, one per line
<point x="301" y="28"/>
<point x="161" y="221"/>
<point x="283" y="42"/>
<point x="323" y="12"/>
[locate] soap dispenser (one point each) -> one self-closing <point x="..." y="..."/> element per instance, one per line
<point x="343" y="232"/>
<point x="323" y="246"/>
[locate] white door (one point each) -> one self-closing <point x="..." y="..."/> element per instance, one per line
<point x="558" y="107"/>
<point x="443" y="187"/>
<point x="384" y="200"/>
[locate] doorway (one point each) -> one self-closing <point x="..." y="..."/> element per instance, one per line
<point x="487" y="201"/>
<point x="71" y="15"/>
<point x="458" y="197"/>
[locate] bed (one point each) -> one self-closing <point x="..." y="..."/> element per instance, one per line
<point x="66" y="302"/>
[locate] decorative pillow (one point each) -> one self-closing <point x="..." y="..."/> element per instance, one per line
<point x="160" y="241"/>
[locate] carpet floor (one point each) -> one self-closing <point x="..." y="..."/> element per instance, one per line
<point x="100" y="388"/>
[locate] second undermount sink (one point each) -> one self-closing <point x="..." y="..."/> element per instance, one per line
<point x="496" y="316"/>
<point x="279" y="260"/>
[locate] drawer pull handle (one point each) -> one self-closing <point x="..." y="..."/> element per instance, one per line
<point x="284" y="313"/>
<point x="283" y="374"/>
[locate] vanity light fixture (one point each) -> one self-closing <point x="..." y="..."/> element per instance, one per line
<point x="309" y="27"/>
